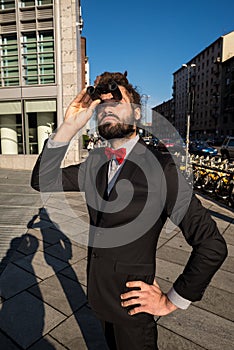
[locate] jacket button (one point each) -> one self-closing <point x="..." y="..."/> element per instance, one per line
<point x="94" y="255"/>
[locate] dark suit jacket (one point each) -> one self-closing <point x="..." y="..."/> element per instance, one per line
<point x="123" y="241"/>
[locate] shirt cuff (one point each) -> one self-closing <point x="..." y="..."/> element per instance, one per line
<point x="55" y="144"/>
<point x="177" y="300"/>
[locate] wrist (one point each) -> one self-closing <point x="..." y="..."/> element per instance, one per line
<point x="168" y="306"/>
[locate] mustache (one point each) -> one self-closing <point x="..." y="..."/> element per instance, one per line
<point x="108" y="114"/>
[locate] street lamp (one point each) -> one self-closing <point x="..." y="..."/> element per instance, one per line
<point x="188" y="67"/>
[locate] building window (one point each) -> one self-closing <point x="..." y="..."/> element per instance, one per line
<point x="7" y="4"/>
<point x="11" y="132"/>
<point x="27" y="3"/>
<point x="38" y="58"/>
<point x="25" y="133"/>
<point x="9" y="60"/>
<point x="46" y="58"/>
<point x="29" y="59"/>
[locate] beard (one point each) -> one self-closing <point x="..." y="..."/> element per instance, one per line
<point x="116" y="131"/>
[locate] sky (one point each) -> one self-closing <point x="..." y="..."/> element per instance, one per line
<point x="151" y="39"/>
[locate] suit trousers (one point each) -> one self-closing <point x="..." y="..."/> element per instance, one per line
<point x="141" y="337"/>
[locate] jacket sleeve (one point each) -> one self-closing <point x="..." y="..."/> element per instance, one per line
<point x="200" y="231"/>
<point x="48" y="176"/>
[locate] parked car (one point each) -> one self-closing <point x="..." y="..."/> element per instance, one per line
<point x="227" y="148"/>
<point x="202" y="148"/>
<point x="151" y="141"/>
<point x="171" y="145"/>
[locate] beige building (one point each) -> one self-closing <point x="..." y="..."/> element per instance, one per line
<point x="198" y="90"/>
<point x="40" y="73"/>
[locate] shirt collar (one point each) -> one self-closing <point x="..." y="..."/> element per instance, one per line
<point x="130" y="144"/>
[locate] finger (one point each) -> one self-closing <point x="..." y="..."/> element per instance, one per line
<point x="80" y="96"/>
<point x="136" y="310"/>
<point x="131" y="294"/>
<point x="93" y="106"/>
<point x="130" y="302"/>
<point x="135" y="284"/>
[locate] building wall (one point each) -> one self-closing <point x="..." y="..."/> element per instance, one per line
<point x="165" y="109"/>
<point x="227" y="103"/>
<point x="204" y="82"/>
<point x="40" y="58"/>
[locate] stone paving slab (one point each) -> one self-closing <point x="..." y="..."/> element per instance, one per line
<point x="19" y="180"/>
<point x="13" y="188"/>
<point x="6" y="343"/>
<point x="201" y="327"/>
<point x="77" y="271"/>
<point x="229" y="262"/>
<point x="26" y="318"/>
<point x="167" y="270"/>
<point x="17" y="215"/>
<point x="66" y="252"/>
<point x="19" y="200"/>
<point x="61" y="293"/>
<point x="80" y="331"/>
<point x="47" y="343"/>
<point x="169" y="340"/>
<point x="178" y="241"/>
<point x="13" y="280"/>
<point x="218" y="301"/>
<point x="223" y="280"/>
<point x="41" y="264"/>
<point x="228" y="234"/>
<point x="173" y="255"/>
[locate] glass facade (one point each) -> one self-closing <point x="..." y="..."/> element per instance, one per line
<point x="27" y="52"/>
<point x="25" y="125"/>
<point x="9" y="60"/>
<point x="38" y="58"/>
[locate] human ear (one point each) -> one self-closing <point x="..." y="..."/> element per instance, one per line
<point x="137" y="113"/>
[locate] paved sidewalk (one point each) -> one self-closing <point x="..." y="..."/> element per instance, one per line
<point x="43" y="276"/>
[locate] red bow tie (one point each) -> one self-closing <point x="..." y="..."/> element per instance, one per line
<point x="119" y="153"/>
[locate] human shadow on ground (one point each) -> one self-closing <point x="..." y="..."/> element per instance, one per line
<point x="57" y="246"/>
<point x="22" y="316"/>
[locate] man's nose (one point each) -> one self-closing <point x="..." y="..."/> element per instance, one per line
<point x="107" y="96"/>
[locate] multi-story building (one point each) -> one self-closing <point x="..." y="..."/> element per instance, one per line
<point x="40" y="73"/>
<point x="197" y="89"/>
<point x="227" y="98"/>
<point x="165" y="109"/>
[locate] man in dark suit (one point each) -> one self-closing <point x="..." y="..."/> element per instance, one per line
<point x="130" y="192"/>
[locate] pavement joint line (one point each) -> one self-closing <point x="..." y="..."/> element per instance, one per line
<point x="167" y="280"/>
<point x="12" y="340"/>
<point x="191" y="341"/>
<point x="18" y="185"/>
<point x="18" y="206"/>
<point x="19" y="194"/>
<point x="56" y="340"/>
<point x="211" y="312"/>
<point x="46" y="302"/>
<point x="168" y="240"/>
